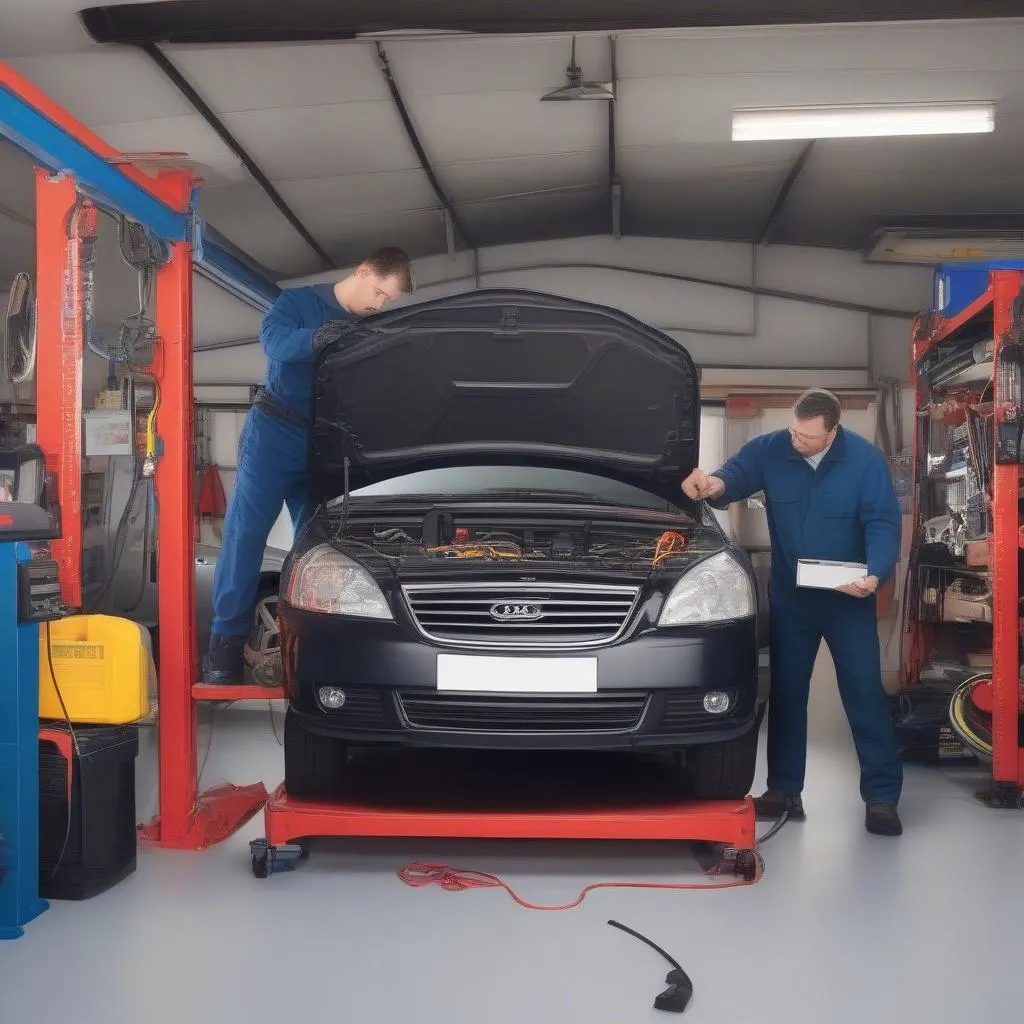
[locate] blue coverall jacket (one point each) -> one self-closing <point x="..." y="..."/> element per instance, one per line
<point x="272" y="452"/>
<point x="845" y="510"/>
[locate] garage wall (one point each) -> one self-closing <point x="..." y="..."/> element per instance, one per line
<point x="721" y="324"/>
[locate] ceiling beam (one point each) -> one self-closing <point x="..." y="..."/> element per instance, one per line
<point x="271" y="21"/>
<point x="185" y="87"/>
<point x="787" y="186"/>
<point x="54" y="140"/>
<point x="614" y="184"/>
<point x="417" y="145"/>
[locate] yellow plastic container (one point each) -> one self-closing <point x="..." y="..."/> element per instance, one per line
<point x="102" y="668"/>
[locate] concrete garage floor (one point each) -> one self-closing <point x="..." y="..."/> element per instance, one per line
<point x="844" y="927"/>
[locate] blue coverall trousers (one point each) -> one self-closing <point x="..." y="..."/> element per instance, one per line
<point x="272" y="461"/>
<point x="799" y="622"/>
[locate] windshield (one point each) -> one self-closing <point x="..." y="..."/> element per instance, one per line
<point x="474" y="481"/>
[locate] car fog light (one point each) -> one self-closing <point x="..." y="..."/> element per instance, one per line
<point x="716" y="702"/>
<point x="332" y="698"/>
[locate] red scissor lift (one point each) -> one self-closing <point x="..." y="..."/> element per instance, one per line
<point x="981" y="302"/>
<point x="78" y="175"/>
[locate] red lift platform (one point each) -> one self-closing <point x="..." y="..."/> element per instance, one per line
<point x="724" y="829"/>
<point x="506" y="795"/>
<point x="79" y="174"/>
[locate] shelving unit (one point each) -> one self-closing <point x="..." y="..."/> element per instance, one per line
<point x="963" y="602"/>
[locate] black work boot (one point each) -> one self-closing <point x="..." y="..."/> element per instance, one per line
<point x="883" y="820"/>
<point x="225" y="661"/>
<point x="771" y="805"/>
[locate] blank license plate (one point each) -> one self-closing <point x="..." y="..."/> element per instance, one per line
<point x="487" y="674"/>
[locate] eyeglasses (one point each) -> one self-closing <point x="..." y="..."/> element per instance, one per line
<point x="807" y="438"/>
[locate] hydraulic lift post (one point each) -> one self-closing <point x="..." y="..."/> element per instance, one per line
<point x="60" y="351"/>
<point x="1007" y="759"/>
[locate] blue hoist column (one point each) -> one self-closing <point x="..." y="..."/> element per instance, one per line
<point x="29" y="594"/>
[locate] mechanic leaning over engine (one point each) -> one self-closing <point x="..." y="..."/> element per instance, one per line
<point x="272" y="448"/>
<point x="829" y="495"/>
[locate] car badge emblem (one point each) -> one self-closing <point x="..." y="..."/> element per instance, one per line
<point x="511" y="611"/>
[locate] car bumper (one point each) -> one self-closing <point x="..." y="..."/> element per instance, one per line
<point x="650" y="691"/>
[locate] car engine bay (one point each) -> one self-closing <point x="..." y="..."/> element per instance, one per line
<point x="454" y="534"/>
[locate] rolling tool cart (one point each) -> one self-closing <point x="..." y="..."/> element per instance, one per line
<point x="29" y="594"/>
<point x="963" y="599"/>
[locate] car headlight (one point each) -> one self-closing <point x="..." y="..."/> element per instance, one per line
<point x="325" y="580"/>
<point x="716" y="590"/>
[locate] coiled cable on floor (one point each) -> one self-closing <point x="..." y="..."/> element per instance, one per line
<point x="419" y="875"/>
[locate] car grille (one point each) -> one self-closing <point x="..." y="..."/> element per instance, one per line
<point x="684" y="712"/>
<point x="548" y="615"/>
<point x="451" y="712"/>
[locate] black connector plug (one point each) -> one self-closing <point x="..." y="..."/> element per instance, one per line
<point x="676" y="997"/>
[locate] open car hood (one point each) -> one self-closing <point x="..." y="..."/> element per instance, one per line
<point x="494" y="377"/>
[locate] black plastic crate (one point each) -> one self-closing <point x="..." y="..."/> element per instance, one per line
<point x="100" y="848"/>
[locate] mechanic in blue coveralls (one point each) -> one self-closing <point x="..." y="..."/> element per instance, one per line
<point x="272" y="451"/>
<point x="829" y="495"/>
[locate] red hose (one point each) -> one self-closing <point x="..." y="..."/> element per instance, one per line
<point x="420" y="875"/>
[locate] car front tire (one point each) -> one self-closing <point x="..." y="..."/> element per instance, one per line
<point x="723" y="771"/>
<point x="314" y="766"/>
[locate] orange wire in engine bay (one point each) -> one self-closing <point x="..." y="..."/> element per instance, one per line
<point x="477" y="550"/>
<point x="669" y="543"/>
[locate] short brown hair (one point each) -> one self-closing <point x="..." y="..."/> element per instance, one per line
<point x="819" y="402"/>
<point x="392" y="262"/>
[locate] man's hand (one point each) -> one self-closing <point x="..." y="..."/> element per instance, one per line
<point x="860" y="588"/>
<point x="698" y="486"/>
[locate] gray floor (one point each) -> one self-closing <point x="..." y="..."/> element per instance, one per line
<point x="844" y="927"/>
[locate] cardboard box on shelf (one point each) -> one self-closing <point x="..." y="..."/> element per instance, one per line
<point x="977" y="553"/>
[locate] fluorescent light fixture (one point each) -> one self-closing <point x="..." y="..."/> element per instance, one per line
<point x="929" y="247"/>
<point x="839" y="122"/>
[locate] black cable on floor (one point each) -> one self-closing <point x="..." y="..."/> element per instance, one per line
<point x="775" y="829"/>
<point x="680" y="989"/>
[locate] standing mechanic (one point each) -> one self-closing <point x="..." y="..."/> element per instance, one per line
<point x="830" y="496"/>
<point x="272" y="448"/>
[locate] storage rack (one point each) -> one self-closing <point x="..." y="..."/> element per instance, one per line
<point x="964" y="576"/>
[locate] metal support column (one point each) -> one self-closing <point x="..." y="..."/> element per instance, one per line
<point x="1007" y="762"/>
<point x="188" y="820"/>
<point x="59" y="353"/>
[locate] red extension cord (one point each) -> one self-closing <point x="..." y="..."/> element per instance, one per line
<point x="420" y="875"/>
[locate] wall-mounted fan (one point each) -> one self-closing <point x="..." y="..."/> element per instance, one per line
<point x="20" y="331"/>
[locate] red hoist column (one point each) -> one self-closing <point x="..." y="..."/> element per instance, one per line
<point x="1007" y="759"/>
<point x="175" y="535"/>
<point x="60" y="222"/>
<point x="188" y="819"/>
